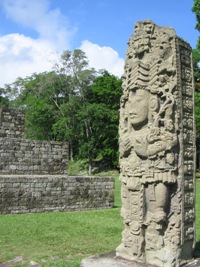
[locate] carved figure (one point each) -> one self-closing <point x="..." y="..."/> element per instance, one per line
<point x="151" y="147"/>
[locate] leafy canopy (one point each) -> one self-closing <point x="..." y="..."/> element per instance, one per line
<point x="72" y="103"/>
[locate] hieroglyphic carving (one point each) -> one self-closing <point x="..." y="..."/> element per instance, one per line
<point x="188" y="227"/>
<point x="157" y="146"/>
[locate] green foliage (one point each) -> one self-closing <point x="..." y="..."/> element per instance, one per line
<point x="78" y="167"/>
<point x="196" y="10"/>
<point x="4" y="101"/>
<point x="197" y="119"/>
<point x="38" y="120"/>
<point x="196" y="52"/>
<point x="196" y="66"/>
<point x="73" y="103"/>
<point x="104" y="104"/>
<point x="196" y="60"/>
<point x="197" y="113"/>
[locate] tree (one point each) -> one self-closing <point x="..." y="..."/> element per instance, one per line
<point x="196" y="52"/>
<point x="197" y="119"/>
<point x="72" y="103"/>
<point x="4" y="101"/>
<point x="196" y="10"/>
<point x="196" y="63"/>
<point x="52" y="100"/>
<point x="75" y="70"/>
<point x="36" y="95"/>
<point x="196" y="60"/>
<point x="104" y="103"/>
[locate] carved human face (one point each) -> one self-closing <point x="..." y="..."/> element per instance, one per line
<point x="148" y="27"/>
<point x="144" y="26"/>
<point x="141" y="45"/>
<point x="139" y="108"/>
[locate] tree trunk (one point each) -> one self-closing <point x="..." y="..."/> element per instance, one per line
<point x="71" y="154"/>
<point x="90" y="166"/>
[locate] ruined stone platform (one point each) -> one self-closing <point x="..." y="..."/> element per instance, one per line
<point x="111" y="260"/>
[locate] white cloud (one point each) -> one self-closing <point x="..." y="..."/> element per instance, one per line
<point x="49" y="24"/>
<point x="103" y="58"/>
<point x="20" y="55"/>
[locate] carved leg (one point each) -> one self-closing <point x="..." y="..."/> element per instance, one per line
<point x="162" y="196"/>
<point x="156" y="198"/>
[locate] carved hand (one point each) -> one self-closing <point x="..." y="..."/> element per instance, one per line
<point x="125" y="146"/>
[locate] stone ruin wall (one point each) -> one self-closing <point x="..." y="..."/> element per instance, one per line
<point x="157" y="148"/>
<point x="11" y="123"/>
<point x="33" y="174"/>
<point x="22" y="156"/>
<point x="41" y="193"/>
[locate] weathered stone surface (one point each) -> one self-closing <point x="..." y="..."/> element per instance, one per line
<point x="11" y="123"/>
<point x="95" y="262"/>
<point x="110" y="260"/>
<point x="33" y="174"/>
<point x="22" y="156"/>
<point x="113" y="261"/>
<point x="41" y="193"/>
<point x="157" y="148"/>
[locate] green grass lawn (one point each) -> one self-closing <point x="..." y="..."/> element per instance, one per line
<point x="59" y="239"/>
<point x="63" y="239"/>
<point x="198" y="214"/>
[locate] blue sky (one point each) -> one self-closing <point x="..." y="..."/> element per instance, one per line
<point x="33" y="33"/>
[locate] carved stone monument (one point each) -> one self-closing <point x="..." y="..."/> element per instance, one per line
<point x="157" y="148"/>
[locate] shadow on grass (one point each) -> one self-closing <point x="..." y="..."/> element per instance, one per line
<point x="197" y="246"/>
<point x="116" y="207"/>
<point x="196" y="253"/>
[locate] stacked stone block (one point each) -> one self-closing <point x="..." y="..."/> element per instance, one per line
<point x="40" y="193"/>
<point x="11" y="123"/>
<point x="22" y="156"/>
<point x="33" y="174"/>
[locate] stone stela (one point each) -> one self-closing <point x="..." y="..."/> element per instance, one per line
<point x="157" y="148"/>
